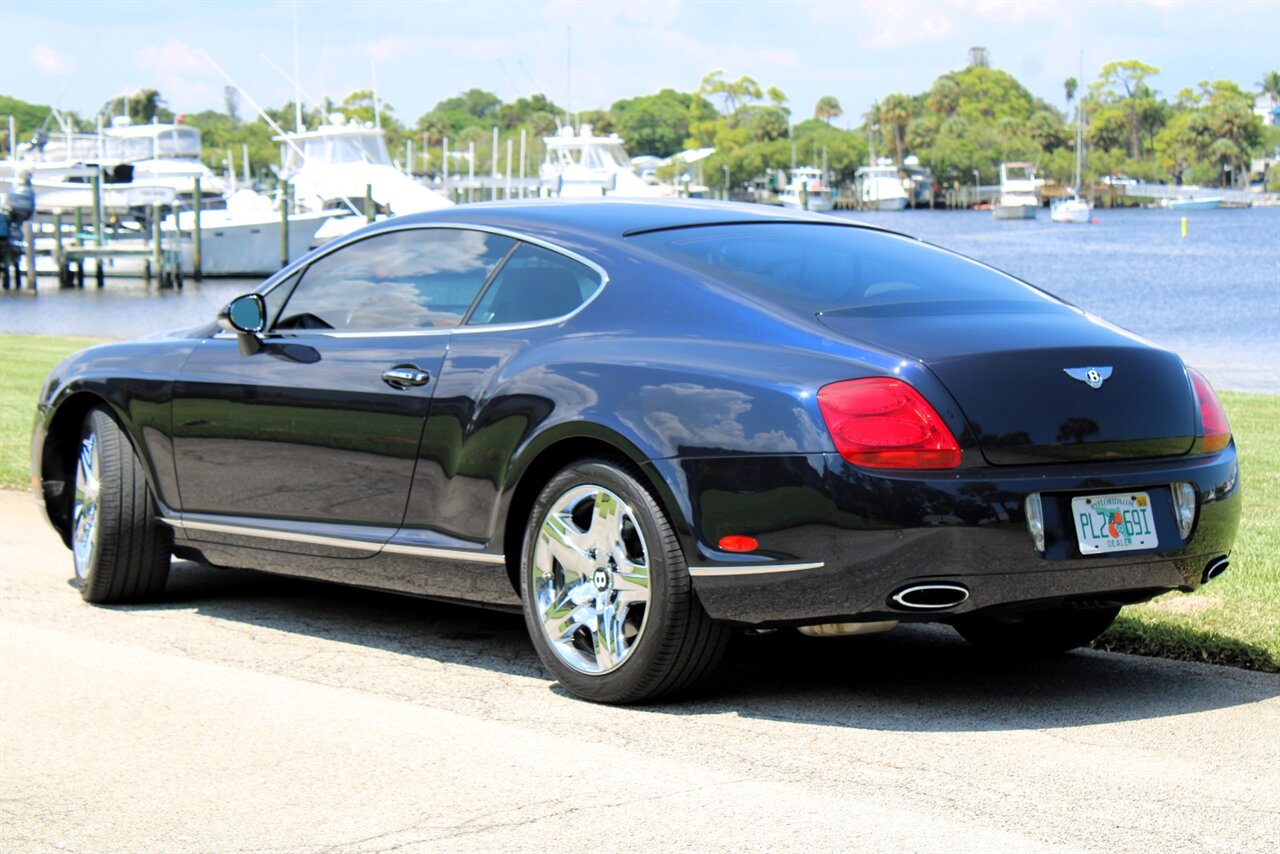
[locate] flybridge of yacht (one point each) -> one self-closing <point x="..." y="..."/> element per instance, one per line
<point x="335" y="144"/>
<point x="121" y="142"/>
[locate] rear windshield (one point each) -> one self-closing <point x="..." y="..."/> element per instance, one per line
<point x="831" y="268"/>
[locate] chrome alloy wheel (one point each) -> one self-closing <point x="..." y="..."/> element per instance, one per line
<point x="590" y="579"/>
<point x="84" y="519"/>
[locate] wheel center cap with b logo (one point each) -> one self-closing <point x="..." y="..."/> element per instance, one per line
<point x="600" y="578"/>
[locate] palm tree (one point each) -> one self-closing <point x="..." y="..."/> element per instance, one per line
<point x="1070" y="85"/>
<point x="1270" y="85"/>
<point x="827" y="108"/>
<point x="895" y="111"/>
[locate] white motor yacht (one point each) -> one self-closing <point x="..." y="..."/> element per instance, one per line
<point x="63" y="164"/>
<point x="1018" y="198"/>
<point x="881" y="187"/>
<point x="817" y="194"/>
<point x="579" y="163"/>
<point x="162" y="153"/>
<point x="332" y="166"/>
<point x="243" y="239"/>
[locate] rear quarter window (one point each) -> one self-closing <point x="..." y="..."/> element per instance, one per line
<point x="535" y="284"/>
<point x="823" y="268"/>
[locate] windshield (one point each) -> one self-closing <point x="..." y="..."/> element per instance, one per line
<point x="825" y="268"/>
<point x="161" y="142"/>
<point x="365" y="147"/>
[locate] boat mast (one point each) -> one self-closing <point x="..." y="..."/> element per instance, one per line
<point x="297" y="77"/>
<point x="1079" y="129"/>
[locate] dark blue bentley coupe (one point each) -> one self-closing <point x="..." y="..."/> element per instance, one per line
<point x="645" y="425"/>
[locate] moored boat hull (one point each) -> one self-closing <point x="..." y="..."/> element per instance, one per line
<point x="1014" y="211"/>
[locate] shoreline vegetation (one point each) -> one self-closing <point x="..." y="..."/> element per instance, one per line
<point x="966" y="124"/>
<point x="1235" y="620"/>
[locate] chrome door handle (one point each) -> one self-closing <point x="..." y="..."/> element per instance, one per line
<point x="404" y="376"/>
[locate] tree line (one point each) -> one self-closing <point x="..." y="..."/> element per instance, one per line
<point x="962" y="127"/>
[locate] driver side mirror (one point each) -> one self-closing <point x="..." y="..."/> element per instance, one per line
<point x="247" y="317"/>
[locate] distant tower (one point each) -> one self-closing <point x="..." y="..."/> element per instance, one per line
<point x="979" y="57"/>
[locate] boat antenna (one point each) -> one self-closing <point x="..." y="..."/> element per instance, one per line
<point x="290" y="80"/>
<point x="510" y="79"/>
<point x="297" y="77"/>
<point x="377" y="113"/>
<point x="568" y="74"/>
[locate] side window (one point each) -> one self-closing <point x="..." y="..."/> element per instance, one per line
<point x="424" y="278"/>
<point x="535" y="284"/>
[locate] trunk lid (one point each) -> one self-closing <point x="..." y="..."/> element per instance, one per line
<point x="1007" y="365"/>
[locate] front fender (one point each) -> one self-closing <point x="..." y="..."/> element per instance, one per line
<point x="134" y="382"/>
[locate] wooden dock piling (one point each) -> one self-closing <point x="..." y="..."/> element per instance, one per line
<point x="197" y="244"/>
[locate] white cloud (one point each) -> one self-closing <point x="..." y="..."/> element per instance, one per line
<point x="395" y="47"/>
<point x="602" y="14"/>
<point x="887" y="26"/>
<point x="169" y="58"/>
<point x="49" y="60"/>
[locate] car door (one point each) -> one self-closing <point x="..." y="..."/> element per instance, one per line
<point x="491" y="397"/>
<point x="310" y="443"/>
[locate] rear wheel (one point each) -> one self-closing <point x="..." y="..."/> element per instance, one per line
<point x="607" y="595"/>
<point x="1037" y="633"/>
<point x="121" y="553"/>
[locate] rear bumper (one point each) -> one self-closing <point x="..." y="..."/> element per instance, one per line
<point x="837" y="542"/>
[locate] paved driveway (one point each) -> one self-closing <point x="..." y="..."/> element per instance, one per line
<point x="255" y="713"/>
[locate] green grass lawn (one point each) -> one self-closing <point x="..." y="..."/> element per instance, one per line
<point x="25" y="361"/>
<point x="1235" y="620"/>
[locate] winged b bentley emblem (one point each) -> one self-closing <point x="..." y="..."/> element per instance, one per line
<point x="1092" y="376"/>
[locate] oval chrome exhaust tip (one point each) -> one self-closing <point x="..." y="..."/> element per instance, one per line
<point x="930" y="597"/>
<point x="1216" y="567"/>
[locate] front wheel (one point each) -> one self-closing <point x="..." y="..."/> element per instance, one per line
<point x="1037" y="633"/>
<point x="120" y="552"/>
<point x="607" y="595"/>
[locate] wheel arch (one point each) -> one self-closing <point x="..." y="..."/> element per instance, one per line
<point x="539" y="464"/>
<point x="58" y="454"/>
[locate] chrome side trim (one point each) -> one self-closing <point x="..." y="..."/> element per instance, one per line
<point x="447" y="554"/>
<point x="750" y="569"/>
<point x="336" y="542"/>
<point x="276" y="534"/>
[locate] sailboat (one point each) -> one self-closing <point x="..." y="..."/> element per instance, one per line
<point x="1072" y="208"/>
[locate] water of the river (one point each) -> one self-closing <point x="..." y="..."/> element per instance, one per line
<point x="1213" y="297"/>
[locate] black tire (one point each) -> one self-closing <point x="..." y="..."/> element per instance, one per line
<point x="1036" y="634"/>
<point x="673" y="644"/>
<point x="121" y="554"/>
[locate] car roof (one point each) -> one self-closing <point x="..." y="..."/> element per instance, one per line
<point x="615" y="218"/>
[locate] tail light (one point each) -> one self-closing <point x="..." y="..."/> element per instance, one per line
<point x="885" y="423"/>
<point x="1213" y="420"/>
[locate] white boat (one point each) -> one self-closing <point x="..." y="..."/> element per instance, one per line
<point x="243" y="239"/>
<point x="1073" y="208"/>
<point x="1018" y="198"/>
<point x="579" y="163"/>
<point x="161" y="153"/>
<point x="917" y="180"/>
<point x="880" y="187"/>
<point x="138" y="166"/>
<point x="816" y="196"/>
<point x="332" y="166"/>
<point x="1196" y="203"/>
<point x="66" y="187"/>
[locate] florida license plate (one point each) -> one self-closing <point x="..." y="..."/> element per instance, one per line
<point x="1114" y="523"/>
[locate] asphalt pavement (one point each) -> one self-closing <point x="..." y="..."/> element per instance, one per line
<point x="249" y="712"/>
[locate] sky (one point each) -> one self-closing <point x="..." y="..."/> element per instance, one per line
<point x="590" y="53"/>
